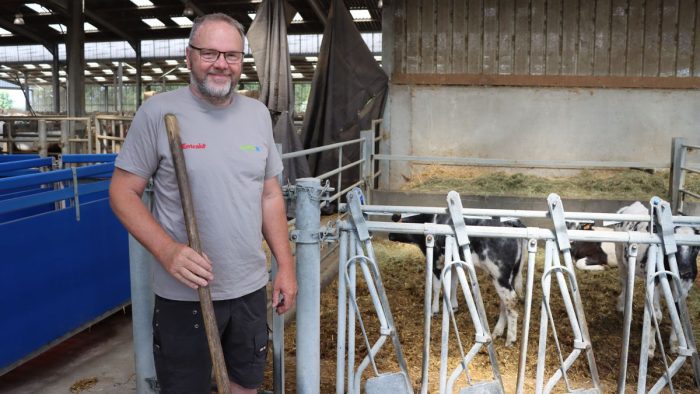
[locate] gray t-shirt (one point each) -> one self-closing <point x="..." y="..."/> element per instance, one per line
<point x="229" y="152"/>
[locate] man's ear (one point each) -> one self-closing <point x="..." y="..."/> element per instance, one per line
<point x="187" y="57"/>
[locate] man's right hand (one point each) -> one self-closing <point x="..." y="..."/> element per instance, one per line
<point x="187" y="266"/>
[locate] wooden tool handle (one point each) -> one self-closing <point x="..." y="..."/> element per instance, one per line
<point x="217" y="355"/>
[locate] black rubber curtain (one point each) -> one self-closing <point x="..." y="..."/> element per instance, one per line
<point x="348" y="91"/>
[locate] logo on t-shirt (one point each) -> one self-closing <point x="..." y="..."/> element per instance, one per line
<point x="194" y="146"/>
<point x="250" y="148"/>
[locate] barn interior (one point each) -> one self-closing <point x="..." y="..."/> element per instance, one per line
<point x="503" y="101"/>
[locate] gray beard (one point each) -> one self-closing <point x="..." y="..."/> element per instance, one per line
<point x="216" y="95"/>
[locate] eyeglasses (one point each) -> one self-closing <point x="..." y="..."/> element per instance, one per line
<point x="212" y="55"/>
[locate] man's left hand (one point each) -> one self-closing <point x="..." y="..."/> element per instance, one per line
<point x="284" y="291"/>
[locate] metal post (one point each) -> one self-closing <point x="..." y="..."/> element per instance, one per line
<point x="366" y="166"/>
<point x="647" y="319"/>
<point x="89" y="134"/>
<point x="142" y="301"/>
<point x="342" y="314"/>
<point x="65" y="145"/>
<point x="308" y="254"/>
<point x="43" y="147"/>
<point x="98" y="133"/>
<point x="10" y="125"/>
<point x="427" y="312"/>
<point x="277" y="329"/>
<point x="120" y="89"/>
<point x="676" y="178"/>
<point x="531" y="254"/>
<point x="627" y="317"/>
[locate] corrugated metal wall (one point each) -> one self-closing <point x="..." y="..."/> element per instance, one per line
<point x="623" y="43"/>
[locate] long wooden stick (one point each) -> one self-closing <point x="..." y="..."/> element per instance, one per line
<point x="212" y="331"/>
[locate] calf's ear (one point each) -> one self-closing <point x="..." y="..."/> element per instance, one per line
<point x="396" y="217"/>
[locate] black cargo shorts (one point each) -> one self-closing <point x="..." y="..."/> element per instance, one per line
<point x="180" y="348"/>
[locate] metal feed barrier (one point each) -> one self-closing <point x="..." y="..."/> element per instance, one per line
<point x="556" y="244"/>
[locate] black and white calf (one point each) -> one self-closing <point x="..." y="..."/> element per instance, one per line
<point x="686" y="258"/>
<point x="501" y="258"/>
<point x="592" y="256"/>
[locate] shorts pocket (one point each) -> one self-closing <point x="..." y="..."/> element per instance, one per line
<point x="260" y="344"/>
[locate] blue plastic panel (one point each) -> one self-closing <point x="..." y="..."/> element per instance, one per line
<point x="58" y="274"/>
<point x="89" y="158"/>
<point x="13" y="157"/>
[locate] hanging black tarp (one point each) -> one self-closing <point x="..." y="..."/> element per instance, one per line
<point x="348" y="92"/>
<point x="267" y="38"/>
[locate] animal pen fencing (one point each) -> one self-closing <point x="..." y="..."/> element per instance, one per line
<point x="64" y="252"/>
<point x="356" y="249"/>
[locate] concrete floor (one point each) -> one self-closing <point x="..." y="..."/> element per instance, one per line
<point x="97" y="360"/>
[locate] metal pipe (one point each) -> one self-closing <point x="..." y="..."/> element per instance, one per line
<point x="627" y="317"/>
<point x="323" y="148"/>
<point x="531" y="255"/>
<point x="308" y="254"/>
<point x="342" y="314"/>
<point x="142" y="302"/>
<point x="549" y="251"/>
<point x="524" y="233"/>
<point x="352" y="285"/>
<point x="678" y="219"/>
<point x="427" y="312"/>
<point x="43" y="148"/>
<point x="278" y="380"/>
<point x="646" y="321"/>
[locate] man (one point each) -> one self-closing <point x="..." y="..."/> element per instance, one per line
<point x="232" y="166"/>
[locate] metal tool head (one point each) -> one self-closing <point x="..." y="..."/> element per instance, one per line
<point x="393" y="382"/>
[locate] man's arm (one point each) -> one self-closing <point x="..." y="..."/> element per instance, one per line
<point x="274" y="229"/>
<point x="179" y="260"/>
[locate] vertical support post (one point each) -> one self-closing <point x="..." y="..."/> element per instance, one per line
<point x="677" y="175"/>
<point x="653" y="254"/>
<point x="10" y="134"/>
<point x="308" y="253"/>
<point x="142" y="302"/>
<point x="427" y="312"/>
<point x="98" y="134"/>
<point x="277" y="330"/>
<point x="366" y="166"/>
<point x="120" y="89"/>
<point x="43" y="147"/>
<point x="549" y="251"/>
<point x="531" y="254"/>
<point x="65" y="145"/>
<point x="89" y="134"/>
<point x="627" y="317"/>
<point x="342" y="314"/>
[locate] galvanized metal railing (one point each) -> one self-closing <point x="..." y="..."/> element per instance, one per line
<point x="366" y="162"/>
<point x="680" y="167"/>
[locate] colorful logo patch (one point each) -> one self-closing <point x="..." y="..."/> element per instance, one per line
<point x="250" y="148"/>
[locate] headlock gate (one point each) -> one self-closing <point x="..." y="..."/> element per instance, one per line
<point x="356" y="250"/>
